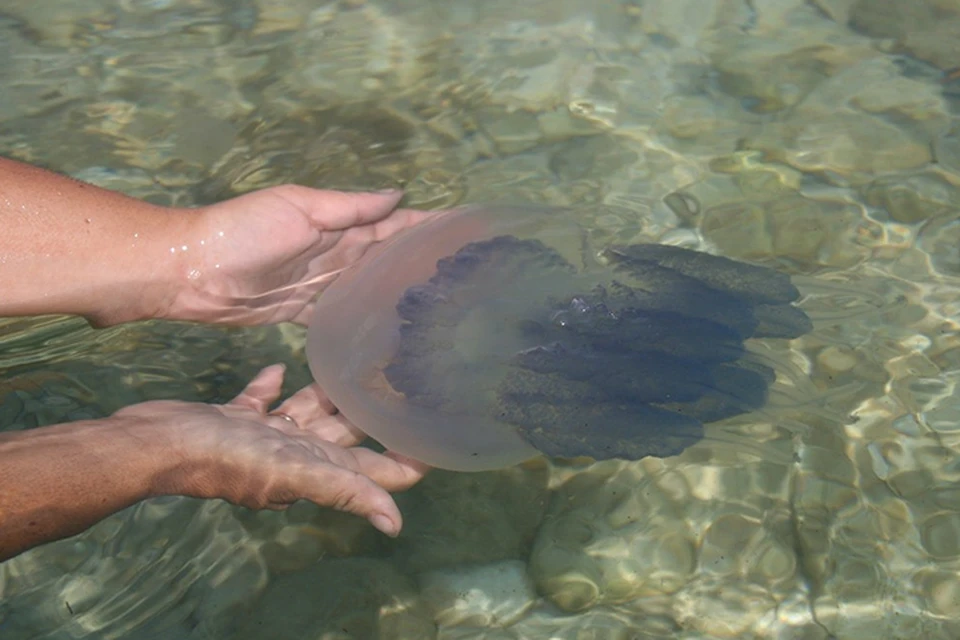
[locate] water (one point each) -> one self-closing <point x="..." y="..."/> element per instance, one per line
<point x="821" y="137"/>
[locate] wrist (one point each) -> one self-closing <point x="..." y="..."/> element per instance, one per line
<point x="140" y="449"/>
<point x="148" y="274"/>
<point x="175" y="456"/>
<point x="185" y="288"/>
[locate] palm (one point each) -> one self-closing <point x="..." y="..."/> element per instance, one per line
<point x="267" y="254"/>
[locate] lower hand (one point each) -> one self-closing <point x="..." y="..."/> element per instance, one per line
<point x="241" y="453"/>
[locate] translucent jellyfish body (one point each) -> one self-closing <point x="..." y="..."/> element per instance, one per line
<point x="487" y="336"/>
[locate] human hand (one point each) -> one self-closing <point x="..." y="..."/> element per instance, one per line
<point x="263" y="257"/>
<point x="241" y="453"/>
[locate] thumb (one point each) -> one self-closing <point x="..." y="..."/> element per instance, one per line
<point x="339" y="210"/>
<point x="263" y="390"/>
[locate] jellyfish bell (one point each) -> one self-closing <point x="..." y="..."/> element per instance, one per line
<point x="355" y="332"/>
<point x="486" y="336"/>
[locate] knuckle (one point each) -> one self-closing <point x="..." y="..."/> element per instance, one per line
<point x="348" y="495"/>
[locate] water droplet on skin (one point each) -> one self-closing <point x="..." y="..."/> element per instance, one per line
<point x="194" y="274"/>
<point x="183" y="248"/>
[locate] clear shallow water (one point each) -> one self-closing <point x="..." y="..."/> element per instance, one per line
<point x="820" y="137"/>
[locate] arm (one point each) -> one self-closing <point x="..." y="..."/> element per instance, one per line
<point x="73" y="248"/>
<point x="58" y="481"/>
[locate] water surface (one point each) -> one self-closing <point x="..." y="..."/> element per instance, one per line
<point x="818" y="137"/>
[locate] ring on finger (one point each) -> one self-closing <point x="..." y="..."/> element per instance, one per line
<point x="281" y="414"/>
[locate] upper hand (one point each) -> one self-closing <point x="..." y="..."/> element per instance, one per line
<point x="241" y="453"/>
<point x="264" y="256"/>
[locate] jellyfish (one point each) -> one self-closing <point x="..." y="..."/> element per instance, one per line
<point x="490" y="336"/>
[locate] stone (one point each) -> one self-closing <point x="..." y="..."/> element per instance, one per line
<point x="487" y="596"/>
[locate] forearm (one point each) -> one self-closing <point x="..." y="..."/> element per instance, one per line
<point x="72" y="248"/>
<point x="58" y="481"/>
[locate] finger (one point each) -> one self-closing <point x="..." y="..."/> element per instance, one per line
<point x="305" y="315"/>
<point x="263" y="390"/>
<point x="354" y="493"/>
<point x="314" y="412"/>
<point x="359" y="241"/>
<point x="337" y="210"/>
<point x="393" y="472"/>
<point x="336" y="429"/>
<point x="333" y="429"/>
<point x="309" y="401"/>
<point x="415" y="465"/>
<point x="399" y="220"/>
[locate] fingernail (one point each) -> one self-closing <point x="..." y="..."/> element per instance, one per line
<point x="388" y="192"/>
<point x="384" y="524"/>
